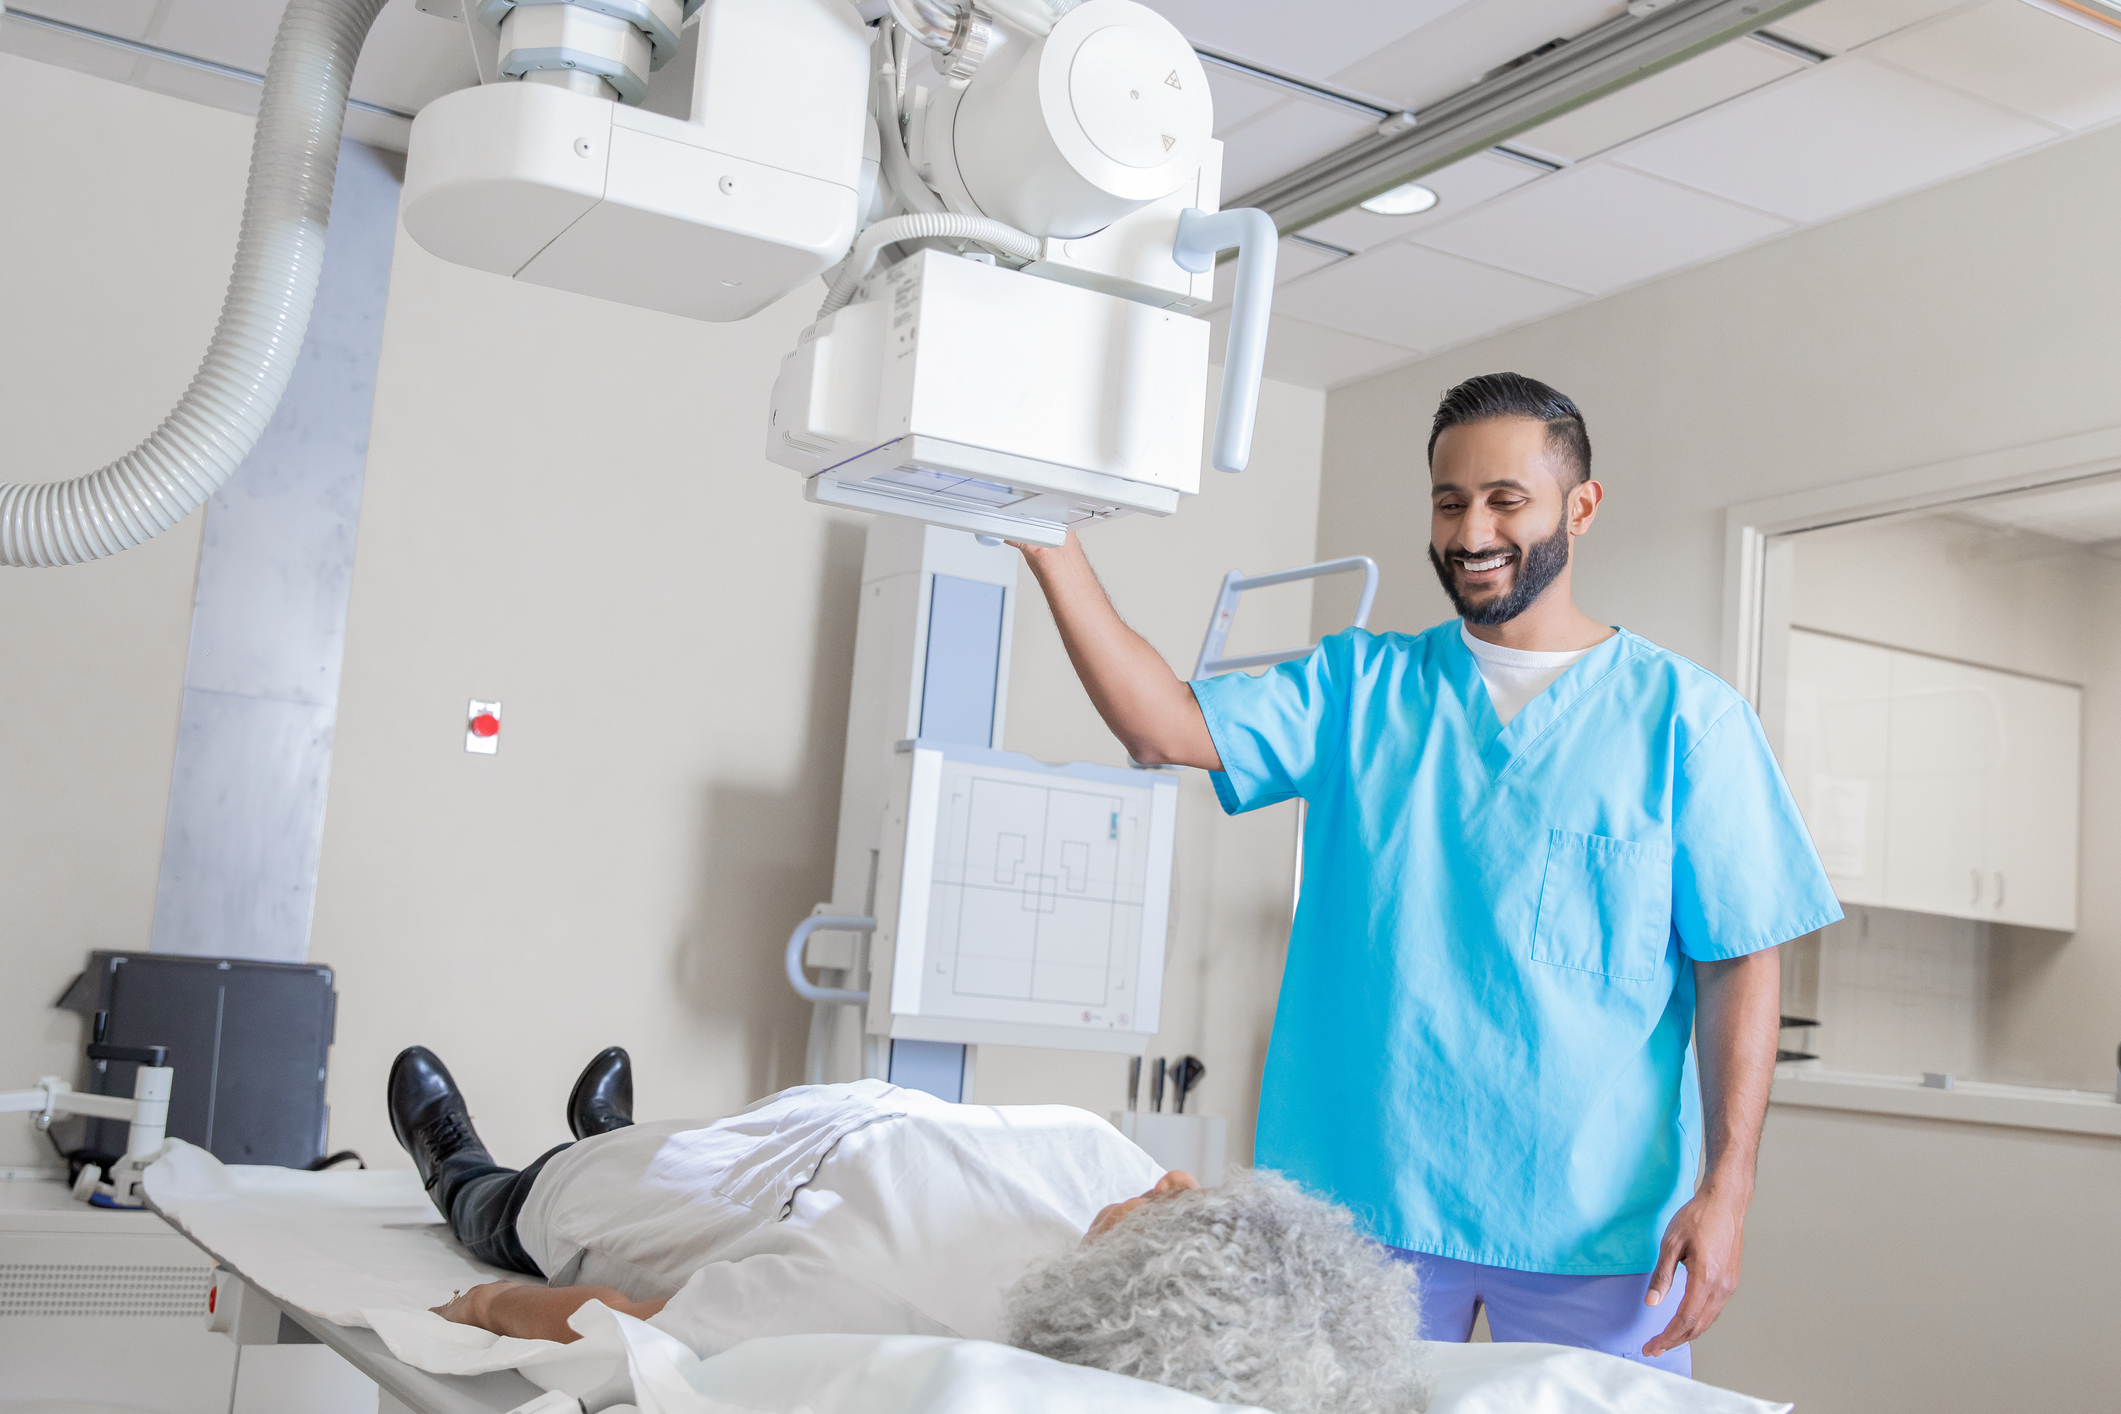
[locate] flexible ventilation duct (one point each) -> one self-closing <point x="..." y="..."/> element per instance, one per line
<point x="279" y="255"/>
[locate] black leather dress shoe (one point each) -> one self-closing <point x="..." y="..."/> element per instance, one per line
<point x="427" y="1114"/>
<point x="603" y="1097"/>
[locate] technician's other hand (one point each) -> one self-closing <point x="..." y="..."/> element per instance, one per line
<point x="474" y="1307"/>
<point x="1037" y="554"/>
<point x="1707" y="1236"/>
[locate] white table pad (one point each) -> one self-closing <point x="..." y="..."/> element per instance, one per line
<point x="368" y="1249"/>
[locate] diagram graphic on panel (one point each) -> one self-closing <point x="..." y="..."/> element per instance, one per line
<point x="1039" y="887"/>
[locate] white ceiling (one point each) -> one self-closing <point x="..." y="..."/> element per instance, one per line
<point x="1731" y="148"/>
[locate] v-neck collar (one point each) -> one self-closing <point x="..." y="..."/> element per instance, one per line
<point x="1500" y="745"/>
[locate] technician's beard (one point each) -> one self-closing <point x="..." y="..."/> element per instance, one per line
<point x="1540" y="567"/>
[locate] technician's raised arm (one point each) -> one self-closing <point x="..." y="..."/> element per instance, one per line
<point x="1150" y="710"/>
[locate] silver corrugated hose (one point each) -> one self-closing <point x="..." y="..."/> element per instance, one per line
<point x="279" y="255"/>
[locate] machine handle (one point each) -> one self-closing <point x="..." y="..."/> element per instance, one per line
<point x="1202" y="236"/>
<point x="833" y="923"/>
<point x="145" y="1055"/>
<point x="1211" y="660"/>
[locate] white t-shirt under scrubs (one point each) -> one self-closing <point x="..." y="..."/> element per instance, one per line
<point x="1515" y="676"/>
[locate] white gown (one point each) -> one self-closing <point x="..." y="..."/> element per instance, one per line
<point x="849" y="1209"/>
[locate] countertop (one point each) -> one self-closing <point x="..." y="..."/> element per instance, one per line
<point x="1969" y="1102"/>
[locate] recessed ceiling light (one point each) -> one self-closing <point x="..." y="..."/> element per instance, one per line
<point x="1409" y="200"/>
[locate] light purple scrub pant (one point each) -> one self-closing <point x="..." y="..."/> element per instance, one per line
<point x="1595" y="1313"/>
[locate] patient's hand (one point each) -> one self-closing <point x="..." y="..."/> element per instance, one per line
<point x="528" y="1312"/>
<point x="1176" y="1181"/>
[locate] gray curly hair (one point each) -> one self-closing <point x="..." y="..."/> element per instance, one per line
<point x="1257" y="1292"/>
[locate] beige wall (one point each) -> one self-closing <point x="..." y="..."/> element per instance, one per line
<point x="1234" y="878"/>
<point x="568" y="509"/>
<point x="1958" y="320"/>
<point x="120" y="226"/>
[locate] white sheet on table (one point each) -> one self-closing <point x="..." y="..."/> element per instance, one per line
<point x="330" y="1243"/>
<point x="867" y="1374"/>
<point x="367" y="1248"/>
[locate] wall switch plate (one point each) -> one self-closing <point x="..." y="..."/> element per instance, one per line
<point x="482" y="727"/>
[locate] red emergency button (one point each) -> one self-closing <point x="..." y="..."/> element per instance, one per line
<point x="486" y="724"/>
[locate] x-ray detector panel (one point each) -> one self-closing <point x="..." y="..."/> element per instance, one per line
<point x="1022" y="903"/>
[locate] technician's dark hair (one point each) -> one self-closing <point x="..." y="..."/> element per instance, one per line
<point x="1493" y="395"/>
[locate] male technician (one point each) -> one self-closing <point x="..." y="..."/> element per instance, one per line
<point x="1533" y="841"/>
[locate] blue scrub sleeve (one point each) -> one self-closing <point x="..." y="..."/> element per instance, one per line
<point x="1275" y="730"/>
<point x="1744" y="873"/>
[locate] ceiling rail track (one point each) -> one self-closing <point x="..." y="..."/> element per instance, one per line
<point x="172" y="56"/>
<point x="1600" y="61"/>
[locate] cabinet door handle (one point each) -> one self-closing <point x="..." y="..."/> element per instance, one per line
<point x="1976" y="873"/>
<point x="1999" y="888"/>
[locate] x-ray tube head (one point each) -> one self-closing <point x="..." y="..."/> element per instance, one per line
<point x="1061" y="136"/>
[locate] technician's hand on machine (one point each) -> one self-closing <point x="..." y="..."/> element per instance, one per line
<point x="1153" y="713"/>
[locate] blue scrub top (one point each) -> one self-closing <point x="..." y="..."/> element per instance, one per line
<point x="1483" y="1040"/>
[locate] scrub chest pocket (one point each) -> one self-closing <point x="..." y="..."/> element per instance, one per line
<point x="1605" y="906"/>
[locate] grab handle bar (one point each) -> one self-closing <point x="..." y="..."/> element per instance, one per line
<point x="1211" y="660"/>
<point x="831" y="923"/>
<point x="1202" y="235"/>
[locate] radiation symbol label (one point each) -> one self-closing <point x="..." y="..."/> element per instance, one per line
<point x="1173" y="80"/>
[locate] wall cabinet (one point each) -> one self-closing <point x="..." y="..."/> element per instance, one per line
<point x="1935" y="786"/>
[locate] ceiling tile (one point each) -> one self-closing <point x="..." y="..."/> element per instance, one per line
<point x="1322" y="38"/>
<point x="67" y="51"/>
<point x="1419" y="299"/>
<point x="1452" y="51"/>
<point x="236" y="32"/>
<point x="2010" y="53"/>
<point x="1239" y="99"/>
<point x="1283" y="139"/>
<point x="1701" y="82"/>
<point x="409" y="60"/>
<point x="1311" y="355"/>
<point x="199" y="86"/>
<point x="1600" y="228"/>
<point x="127" y="19"/>
<point x="1292" y="261"/>
<point x="1837" y="26"/>
<point x="1459" y="188"/>
<point x="1845" y="135"/>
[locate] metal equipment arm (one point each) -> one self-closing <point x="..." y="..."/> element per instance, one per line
<point x="1211" y="660"/>
<point x="147" y="1110"/>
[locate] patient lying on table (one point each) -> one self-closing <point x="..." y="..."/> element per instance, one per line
<point x="868" y="1209"/>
